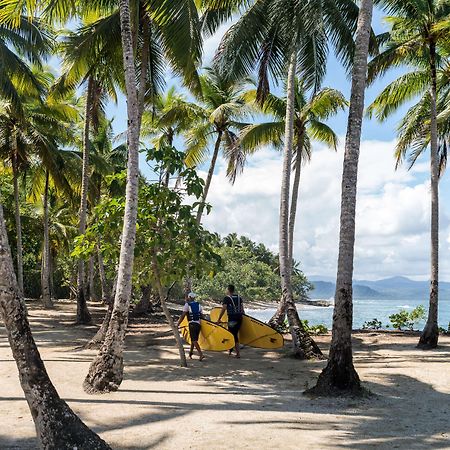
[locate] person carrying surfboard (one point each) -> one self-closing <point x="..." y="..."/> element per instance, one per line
<point x="193" y="310"/>
<point x="234" y="306"/>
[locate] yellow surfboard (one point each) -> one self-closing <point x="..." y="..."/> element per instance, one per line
<point x="212" y="336"/>
<point x="253" y="332"/>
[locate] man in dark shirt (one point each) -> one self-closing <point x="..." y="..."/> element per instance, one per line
<point x="234" y="307"/>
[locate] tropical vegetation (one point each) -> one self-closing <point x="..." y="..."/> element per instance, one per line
<point x="81" y="219"/>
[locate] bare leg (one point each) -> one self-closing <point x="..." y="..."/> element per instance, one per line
<point x="199" y="350"/>
<point x="191" y="351"/>
<point x="238" y="351"/>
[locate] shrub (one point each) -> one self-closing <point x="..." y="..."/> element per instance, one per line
<point x="311" y="329"/>
<point x="314" y="329"/>
<point x="373" y="324"/>
<point x="404" y="319"/>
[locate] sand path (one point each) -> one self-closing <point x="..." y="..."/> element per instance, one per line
<point x="224" y="403"/>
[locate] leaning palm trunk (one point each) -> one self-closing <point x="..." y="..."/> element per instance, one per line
<point x="340" y="376"/>
<point x="212" y="167"/>
<point x="57" y="426"/>
<point x="201" y="207"/>
<point x="46" y="294"/>
<point x="99" y="337"/>
<point x="83" y="315"/>
<point x="106" y="371"/>
<point x="430" y="334"/>
<point x="15" y="163"/>
<point x="162" y="299"/>
<point x="277" y="320"/>
<point x="304" y="346"/>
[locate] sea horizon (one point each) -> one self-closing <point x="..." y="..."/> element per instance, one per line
<point x="363" y="310"/>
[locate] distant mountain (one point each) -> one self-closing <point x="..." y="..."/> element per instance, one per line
<point x="326" y="289"/>
<point x="396" y="288"/>
<point x="321" y="278"/>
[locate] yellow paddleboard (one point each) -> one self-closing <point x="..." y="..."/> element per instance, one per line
<point x="253" y="332"/>
<point x="212" y="336"/>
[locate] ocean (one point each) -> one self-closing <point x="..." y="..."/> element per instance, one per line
<point x="363" y="310"/>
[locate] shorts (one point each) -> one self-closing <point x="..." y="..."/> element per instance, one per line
<point x="234" y="326"/>
<point x="194" y="331"/>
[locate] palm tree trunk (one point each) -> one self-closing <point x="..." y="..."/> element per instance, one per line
<point x="51" y="262"/>
<point x="294" y="200"/>
<point x="166" y="311"/>
<point x="99" y="337"/>
<point x="46" y="294"/>
<point x="304" y="345"/>
<point x="340" y="376"/>
<point x="430" y="334"/>
<point x="83" y="315"/>
<point x="201" y="207"/>
<point x="92" y="294"/>
<point x="57" y="426"/>
<point x="106" y="371"/>
<point x="277" y="320"/>
<point x="143" y="306"/>
<point x="145" y="55"/>
<point x="170" y="143"/>
<point x="106" y="294"/>
<point x="15" y="164"/>
<point x="212" y="167"/>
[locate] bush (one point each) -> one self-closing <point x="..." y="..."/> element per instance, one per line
<point x="311" y="329"/>
<point x="314" y="329"/>
<point x="404" y="319"/>
<point x="373" y="324"/>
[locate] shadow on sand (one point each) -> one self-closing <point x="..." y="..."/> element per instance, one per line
<point x="404" y="412"/>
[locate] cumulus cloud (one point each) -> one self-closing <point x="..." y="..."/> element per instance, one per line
<point x="392" y="231"/>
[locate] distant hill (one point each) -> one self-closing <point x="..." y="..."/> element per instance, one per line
<point x="396" y="288"/>
<point x="326" y="289"/>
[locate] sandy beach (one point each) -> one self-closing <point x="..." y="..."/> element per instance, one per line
<point x="223" y="403"/>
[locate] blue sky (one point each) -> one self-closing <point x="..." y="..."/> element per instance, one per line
<point x="393" y="206"/>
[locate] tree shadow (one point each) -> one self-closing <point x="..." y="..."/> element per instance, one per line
<point x="260" y="394"/>
<point x="12" y="443"/>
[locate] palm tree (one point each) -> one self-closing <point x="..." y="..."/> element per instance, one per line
<point x="418" y="29"/>
<point x="37" y="132"/>
<point x="50" y="127"/>
<point x="171" y="116"/>
<point x="45" y="404"/>
<point x="175" y="24"/>
<point x="44" y="186"/>
<point x="286" y="38"/>
<point x="105" y="160"/>
<point x="217" y="120"/>
<point x="86" y="64"/>
<point x="27" y="43"/>
<point x="21" y="44"/>
<point x="106" y="371"/>
<point x="308" y="125"/>
<point x="340" y="376"/>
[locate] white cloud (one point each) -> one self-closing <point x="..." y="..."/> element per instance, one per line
<point x="211" y="44"/>
<point x="392" y="231"/>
